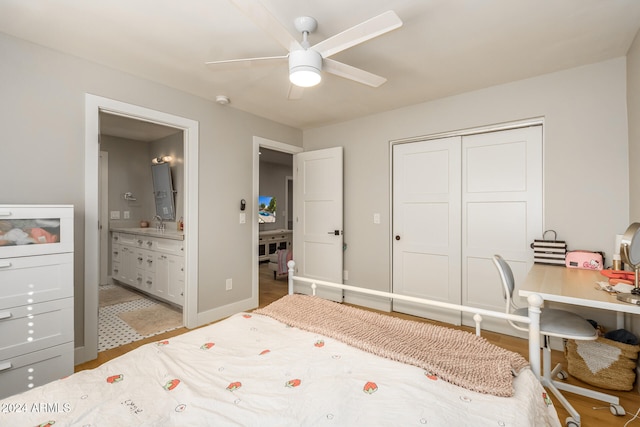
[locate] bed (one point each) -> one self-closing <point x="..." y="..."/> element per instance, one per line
<point x="301" y="360"/>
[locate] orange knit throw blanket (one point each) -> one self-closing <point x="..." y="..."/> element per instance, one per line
<point x="455" y="356"/>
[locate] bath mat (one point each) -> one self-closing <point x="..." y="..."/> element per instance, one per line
<point x="117" y="295"/>
<point x="153" y="320"/>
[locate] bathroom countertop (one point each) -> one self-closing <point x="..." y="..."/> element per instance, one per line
<point x="151" y="232"/>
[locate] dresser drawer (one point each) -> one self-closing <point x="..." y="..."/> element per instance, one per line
<point x="34" y="369"/>
<point x="31" y="280"/>
<point x="33" y="327"/>
<point x="36" y="230"/>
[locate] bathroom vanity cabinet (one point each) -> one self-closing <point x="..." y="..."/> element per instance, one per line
<point x="151" y="261"/>
<point x="36" y="296"/>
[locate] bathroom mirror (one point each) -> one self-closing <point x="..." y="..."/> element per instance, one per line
<point x="163" y="191"/>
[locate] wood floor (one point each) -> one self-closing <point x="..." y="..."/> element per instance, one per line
<point x="271" y="290"/>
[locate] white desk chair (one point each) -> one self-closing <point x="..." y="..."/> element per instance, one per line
<point x="554" y="323"/>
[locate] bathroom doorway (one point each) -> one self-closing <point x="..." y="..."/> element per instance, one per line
<point x="94" y="105"/>
<point x="130" y="310"/>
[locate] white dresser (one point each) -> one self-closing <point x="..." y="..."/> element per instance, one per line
<point x="36" y="295"/>
<point x="149" y="260"/>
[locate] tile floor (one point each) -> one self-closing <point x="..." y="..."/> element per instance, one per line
<point x="113" y="331"/>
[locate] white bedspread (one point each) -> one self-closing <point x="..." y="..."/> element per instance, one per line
<point x="251" y="370"/>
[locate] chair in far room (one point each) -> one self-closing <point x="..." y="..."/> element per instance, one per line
<point x="278" y="262"/>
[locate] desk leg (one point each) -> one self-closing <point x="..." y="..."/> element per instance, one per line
<point x="619" y="320"/>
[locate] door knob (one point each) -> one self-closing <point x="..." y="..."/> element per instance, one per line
<point x="397" y="237"/>
<point x="334" y="232"/>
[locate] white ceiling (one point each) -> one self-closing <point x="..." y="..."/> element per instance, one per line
<point x="445" y="47"/>
<point x="137" y="130"/>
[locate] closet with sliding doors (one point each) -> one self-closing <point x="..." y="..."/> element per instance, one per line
<point x="457" y="201"/>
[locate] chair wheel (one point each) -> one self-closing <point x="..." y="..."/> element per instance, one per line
<point x="571" y="422"/>
<point x="617" y="410"/>
<point x="562" y="375"/>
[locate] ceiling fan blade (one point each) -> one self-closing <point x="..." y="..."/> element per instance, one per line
<point x="255" y="11"/>
<point x="352" y="73"/>
<point x="360" y="33"/>
<point x="295" y="92"/>
<point x="248" y="62"/>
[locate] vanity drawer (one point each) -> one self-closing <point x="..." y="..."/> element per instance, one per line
<point x="143" y="259"/>
<point x="31" y="280"/>
<point x="169" y="246"/>
<point x="25" y="372"/>
<point x="124" y="239"/>
<point x="30" y="328"/>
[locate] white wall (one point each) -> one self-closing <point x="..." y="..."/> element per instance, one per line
<point x="633" y="103"/>
<point x="42" y="115"/>
<point x="129" y="171"/>
<point x="585" y="158"/>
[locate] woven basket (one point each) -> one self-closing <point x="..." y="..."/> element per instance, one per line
<point x="603" y="363"/>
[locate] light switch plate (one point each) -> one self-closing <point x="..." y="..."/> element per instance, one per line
<point x="114" y="215"/>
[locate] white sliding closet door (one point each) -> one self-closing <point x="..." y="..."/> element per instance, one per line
<point x="426" y="225"/>
<point x="456" y="202"/>
<point x="501" y="211"/>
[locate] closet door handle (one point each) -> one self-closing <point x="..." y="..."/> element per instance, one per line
<point x="397" y="237"/>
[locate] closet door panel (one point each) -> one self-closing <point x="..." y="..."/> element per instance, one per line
<point x="498" y="225"/>
<point x="426" y="225"/>
<point x="501" y="210"/>
<point x="496" y="167"/>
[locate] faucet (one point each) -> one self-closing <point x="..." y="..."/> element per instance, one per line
<point x="159" y="226"/>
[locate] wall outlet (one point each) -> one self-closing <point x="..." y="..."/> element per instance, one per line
<point x="376" y="218"/>
<point x="114" y="215"/>
<point x="229" y="284"/>
<point x="127" y="214"/>
<point x="243" y="218"/>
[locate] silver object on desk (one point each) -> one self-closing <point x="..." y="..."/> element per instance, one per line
<point x="630" y="254"/>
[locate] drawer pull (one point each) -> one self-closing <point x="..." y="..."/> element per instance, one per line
<point x="5" y="315"/>
<point x="5" y="365"/>
<point x="5" y="213"/>
<point x="6" y="265"/>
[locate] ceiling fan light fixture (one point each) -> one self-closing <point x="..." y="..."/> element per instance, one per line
<point x="304" y="67"/>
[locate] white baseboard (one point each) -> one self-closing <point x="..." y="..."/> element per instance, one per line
<point x="218" y="313"/>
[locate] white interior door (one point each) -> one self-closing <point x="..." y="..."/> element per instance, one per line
<point x="426" y="225"/>
<point x="318" y="223"/>
<point x="501" y="211"/>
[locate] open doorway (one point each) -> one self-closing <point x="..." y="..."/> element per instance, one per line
<point x="272" y="173"/>
<point x="136" y="272"/>
<point x="93" y="106"/>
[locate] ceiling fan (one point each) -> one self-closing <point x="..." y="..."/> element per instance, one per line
<point x="305" y="61"/>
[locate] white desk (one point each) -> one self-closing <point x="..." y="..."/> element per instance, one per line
<point x="573" y="286"/>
